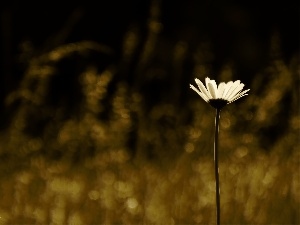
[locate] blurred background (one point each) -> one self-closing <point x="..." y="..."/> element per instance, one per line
<point x="98" y="124"/>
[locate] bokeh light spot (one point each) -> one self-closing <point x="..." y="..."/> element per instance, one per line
<point x="132" y="203"/>
<point x="189" y="147"/>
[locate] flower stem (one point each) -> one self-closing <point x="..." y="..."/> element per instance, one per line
<point x="216" y="160"/>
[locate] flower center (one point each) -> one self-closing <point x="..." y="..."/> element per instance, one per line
<point x="218" y="103"/>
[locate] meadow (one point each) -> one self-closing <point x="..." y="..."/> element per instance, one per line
<point x="85" y="141"/>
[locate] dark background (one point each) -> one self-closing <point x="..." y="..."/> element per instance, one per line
<point x="98" y="124"/>
<point x="239" y="31"/>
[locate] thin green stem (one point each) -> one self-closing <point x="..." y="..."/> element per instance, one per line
<point x="216" y="143"/>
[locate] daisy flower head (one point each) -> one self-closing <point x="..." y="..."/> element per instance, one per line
<point x="219" y="95"/>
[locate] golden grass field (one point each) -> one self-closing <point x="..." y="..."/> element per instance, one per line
<point x="86" y="147"/>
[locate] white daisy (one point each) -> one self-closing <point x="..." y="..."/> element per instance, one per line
<point x="219" y="96"/>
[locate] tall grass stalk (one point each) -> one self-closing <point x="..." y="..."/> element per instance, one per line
<point x="216" y="160"/>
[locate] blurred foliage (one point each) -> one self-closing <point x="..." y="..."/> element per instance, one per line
<point x="87" y="140"/>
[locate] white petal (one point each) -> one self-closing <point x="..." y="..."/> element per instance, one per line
<point x="199" y="93"/>
<point x="231" y="89"/>
<point x="237" y="97"/>
<point x="221" y="89"/>
<point x="211" y="87"/>
<point x="245" y="91"/>
<point x="212" y="90"/>
<point x="215" y="87"/>
<point x="235" y="92"/>
<point x="202" y="88"/>
<point x="227" y="87"/>
<point x="207" y="81"/>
